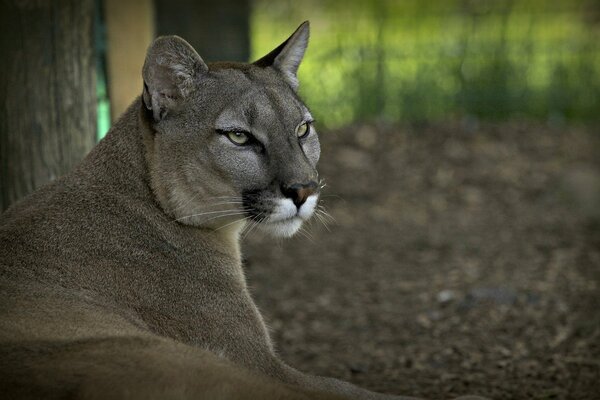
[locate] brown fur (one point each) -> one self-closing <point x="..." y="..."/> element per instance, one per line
<point x="104" y="294"/>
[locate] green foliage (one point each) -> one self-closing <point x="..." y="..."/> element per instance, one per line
<point x="428" y="60"/>
<point x="102" y="98"/>
<point x="103" y="107"/>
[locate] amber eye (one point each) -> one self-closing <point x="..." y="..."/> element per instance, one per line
<point x="238" y="137"/>
<point x="303" y="130"/>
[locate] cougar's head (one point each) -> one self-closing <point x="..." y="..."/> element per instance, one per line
<point x="231" y="143"/>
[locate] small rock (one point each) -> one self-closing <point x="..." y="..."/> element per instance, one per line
<point x="499" y="295"/>
<point x="446" y="296"/>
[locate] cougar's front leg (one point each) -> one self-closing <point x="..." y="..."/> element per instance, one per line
<point x="244" y="339"/>
<point x="331" y="385"/>
<point x="344" y="389"/>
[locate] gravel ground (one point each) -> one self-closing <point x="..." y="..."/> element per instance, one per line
<point x="464" y="258"/>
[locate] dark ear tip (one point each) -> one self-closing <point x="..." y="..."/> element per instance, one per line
<point x="305" y="26"/>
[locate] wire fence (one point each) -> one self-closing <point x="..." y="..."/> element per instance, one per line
<point x="434" y="60"/>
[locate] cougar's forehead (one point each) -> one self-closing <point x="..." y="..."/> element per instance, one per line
<point x="266" y="114"/>
<point x="257" y="97"/>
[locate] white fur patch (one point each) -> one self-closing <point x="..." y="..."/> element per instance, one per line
<point x="284" y="209"/>
<point x="307" y="209"/>
<point x="286" y="218"/>
<point x="285" y="228"/>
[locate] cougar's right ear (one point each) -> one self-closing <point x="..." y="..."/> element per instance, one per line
<point x="286" y="57"/>
<point x="170" y="70"/>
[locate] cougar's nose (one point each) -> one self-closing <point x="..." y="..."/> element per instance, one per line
<point x="299" y="192"/>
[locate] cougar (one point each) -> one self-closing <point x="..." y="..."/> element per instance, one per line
<point x="123" y="278"/>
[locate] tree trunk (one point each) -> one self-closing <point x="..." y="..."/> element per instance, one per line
<point x="47" y="90"/>
<point x="219" y="30"/>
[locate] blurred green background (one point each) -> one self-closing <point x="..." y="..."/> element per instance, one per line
<point x="434" y="60"/>
<point x="429" y="60"/>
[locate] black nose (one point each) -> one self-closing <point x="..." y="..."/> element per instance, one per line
<point x="299" y="192"/>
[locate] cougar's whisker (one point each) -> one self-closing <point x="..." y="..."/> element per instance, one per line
<point x="233" y="222"/>
<point x="256" y="221"/>
<point x="324" y="196"/>
<point x="227" y="212"/>
<point x="305" y="233"/>
<point x="325" y="214"/>
<point x="252" y="218"/>
<point x="237" y="198"/>
<point x="322" y="220"/>
<point x="186" y="202"/>
<point x="222" y="201"/>
<point x="228" y="215"/>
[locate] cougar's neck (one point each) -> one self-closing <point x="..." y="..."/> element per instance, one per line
<point x="118" y="162"/>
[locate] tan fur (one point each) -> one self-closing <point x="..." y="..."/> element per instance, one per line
<point x="107" y="292"/>
<point x="68" y="328"/>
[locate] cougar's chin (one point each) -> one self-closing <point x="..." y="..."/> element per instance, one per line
<point x="282" y="228"/>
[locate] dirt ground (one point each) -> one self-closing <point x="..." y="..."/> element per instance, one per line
<point x="465" y="259"/>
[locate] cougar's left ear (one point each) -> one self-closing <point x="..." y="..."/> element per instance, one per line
<point x="170" y="71"/>
<point x="287" y="56"/>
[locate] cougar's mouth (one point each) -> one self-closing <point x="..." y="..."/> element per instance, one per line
<point x="279" y="217"/>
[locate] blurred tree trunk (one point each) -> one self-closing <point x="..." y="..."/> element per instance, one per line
<point x="219" y="30"/>
<point x="47" y="90"/>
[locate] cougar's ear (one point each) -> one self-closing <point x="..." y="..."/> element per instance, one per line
<point x="287" y="56"/>
<point x="170" y="70"/>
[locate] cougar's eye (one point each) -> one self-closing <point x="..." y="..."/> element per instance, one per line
<point x="239" y="138"/>
<point x="303" y="130"/>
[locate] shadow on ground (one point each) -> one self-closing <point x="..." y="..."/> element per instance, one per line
<point x="463" y="259"/>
